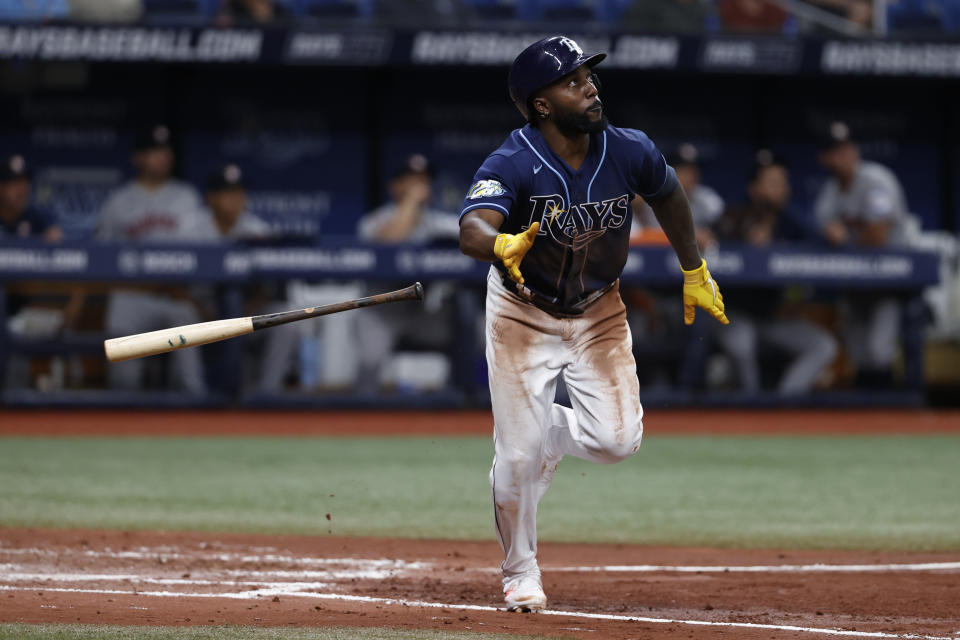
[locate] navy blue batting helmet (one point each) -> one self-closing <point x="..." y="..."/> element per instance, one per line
<point x="542" y="63"/>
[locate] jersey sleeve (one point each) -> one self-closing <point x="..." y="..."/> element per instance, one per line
<point x="494" y="187"/>
<point x="650" y="174"/>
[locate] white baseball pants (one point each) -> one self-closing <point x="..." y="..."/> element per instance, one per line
<point x="527" y="350"/>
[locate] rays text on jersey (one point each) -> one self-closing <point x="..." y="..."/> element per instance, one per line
<point x="580" y="224"/>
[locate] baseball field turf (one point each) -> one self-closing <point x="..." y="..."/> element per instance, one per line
<point x="853" y="492"/>
<point x="102" y="524"/>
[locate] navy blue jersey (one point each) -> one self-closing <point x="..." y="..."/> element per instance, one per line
<point x="584" y="215"/>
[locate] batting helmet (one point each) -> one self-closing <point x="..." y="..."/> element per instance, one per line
<point x="544" y="62"/>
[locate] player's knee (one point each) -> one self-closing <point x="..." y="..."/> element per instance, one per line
<point x="622" y="441"/>
<point x="517" y="455"/>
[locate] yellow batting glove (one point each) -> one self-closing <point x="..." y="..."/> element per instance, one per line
<point x="700" y="290"/>
<point x="510" y="248"/>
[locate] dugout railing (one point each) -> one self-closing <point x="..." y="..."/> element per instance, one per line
<point x="905" y="273"/>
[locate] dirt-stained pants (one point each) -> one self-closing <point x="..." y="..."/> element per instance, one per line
<point x="527" y="351"/>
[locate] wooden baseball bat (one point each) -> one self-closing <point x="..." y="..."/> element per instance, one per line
<point x="147" y="344"/>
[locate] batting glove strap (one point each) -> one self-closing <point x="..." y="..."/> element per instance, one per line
<point x="696" y="276"/>
<point x="498" y="246"/>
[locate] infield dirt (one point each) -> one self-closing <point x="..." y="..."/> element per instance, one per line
<point x="158" y="578"/>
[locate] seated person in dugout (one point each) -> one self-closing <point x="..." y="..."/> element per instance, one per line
<point x="407" y="218"/>
<point x="229" y="220"/>
<point x="153" y="207"/>
<point x="768" y="316"/>
<point x="19" y="219"/>
<point x="862" y="204"/>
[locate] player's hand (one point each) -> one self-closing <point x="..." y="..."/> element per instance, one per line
<point x="510" y="248"/>
<point x="700" y="290"/>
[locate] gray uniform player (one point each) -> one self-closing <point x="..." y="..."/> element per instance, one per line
<point x="766" y="316"/>
<point x="556" y="197"/>
<point x="152" y="207"/>
<point x="407" y="218"/>
<point x="227" y="219"/>
<point x="862" y="204"/>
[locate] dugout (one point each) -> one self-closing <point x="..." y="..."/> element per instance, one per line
<point x="318" y="127"/>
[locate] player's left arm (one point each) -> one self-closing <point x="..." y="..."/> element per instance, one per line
<point x="656" y="182"/>
<point x="673" y="214"/>
<point x="699" y="287"/>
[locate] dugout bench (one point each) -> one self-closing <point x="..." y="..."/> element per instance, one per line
<point x="229" y="268"/>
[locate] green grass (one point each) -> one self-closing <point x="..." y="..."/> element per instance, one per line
<point x="798" y="492"/>
<point x="92" y="632"/>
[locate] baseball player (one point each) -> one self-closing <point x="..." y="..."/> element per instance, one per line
<point x="407" y="218"/>
<point x="863" y="204"/>
<point x="554" y="199"/>
<point x="229" y="220"/>
<point x="17" y="217"/>
<point x="153" y="207"/>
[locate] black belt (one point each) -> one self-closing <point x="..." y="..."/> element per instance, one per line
<point x="545" y="304"/>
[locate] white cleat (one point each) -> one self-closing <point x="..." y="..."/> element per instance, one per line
<point x="524" y="594"/>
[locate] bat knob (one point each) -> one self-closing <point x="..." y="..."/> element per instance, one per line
<point x="418" y="290"/>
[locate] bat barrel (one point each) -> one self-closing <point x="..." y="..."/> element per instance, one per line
<point x="192" y="335"/>
<point x="166" y="340"/>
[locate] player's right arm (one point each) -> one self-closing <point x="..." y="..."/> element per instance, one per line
<point x="480" y="238"/>
<point x="486" y="207"/>
<point x="479" y="229"/>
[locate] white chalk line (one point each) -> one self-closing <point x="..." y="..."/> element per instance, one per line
<point x="235" y="574"/>
<point x="148" y="554"/>
<point x="471" y="607"/>
<point x="401" y="565"/>
<point x="779" y="568"/>
<point x="138" y="579"/>
<point x="8" y="570"/>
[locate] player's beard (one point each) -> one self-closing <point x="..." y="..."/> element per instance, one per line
<point x="572" y="123"/>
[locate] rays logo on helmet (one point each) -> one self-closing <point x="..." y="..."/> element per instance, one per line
<point x="573" y="46"/>
<point x="486" y="189"/>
